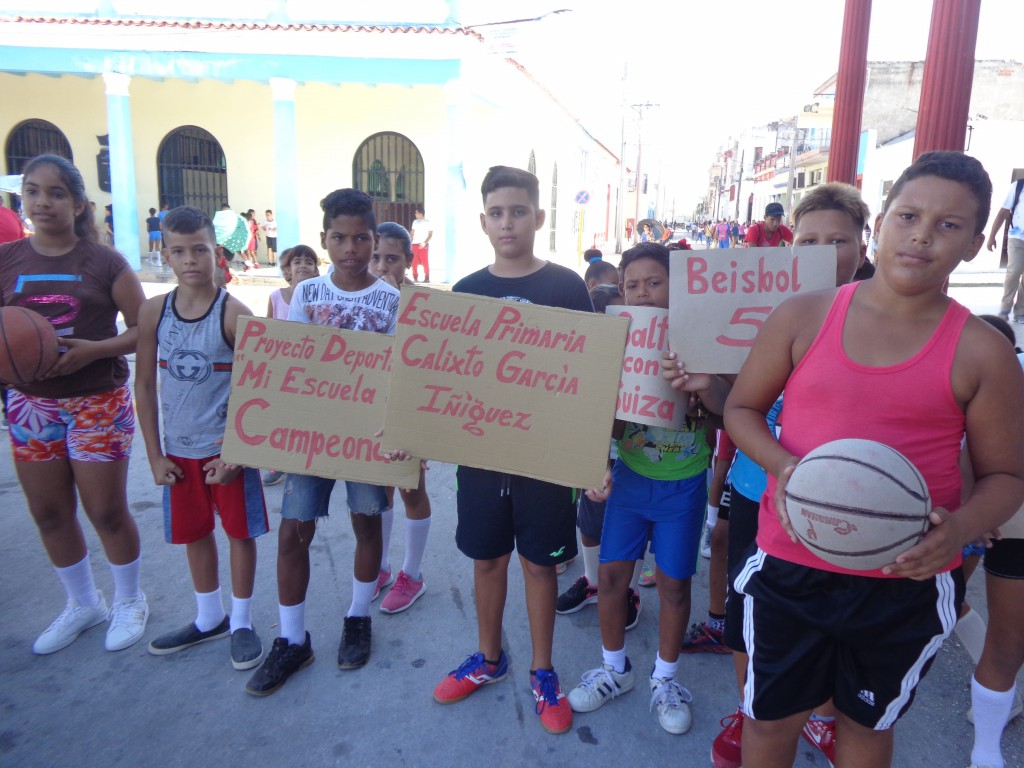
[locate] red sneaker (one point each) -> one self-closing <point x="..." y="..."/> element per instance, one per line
<point x="552" y="706"/>
<point x="726" y="750"/>
<point x="473" y="673"/>
<point x="822" y="734"/>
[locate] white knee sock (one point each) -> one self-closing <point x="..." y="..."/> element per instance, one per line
<point x="209" y="610"/>
<point x="362" y="594"/>
<point x="387" y="521"/>
<point x="126" y="579"/>
<point x="991" y="711"/>
<point x="415" y="545"/>
<point x="971" y="631"/>
<point x="293" y="623"/>
<point x="241" y="613"/>
<point x="78" y="583"/>
<point x="591" y="563"/>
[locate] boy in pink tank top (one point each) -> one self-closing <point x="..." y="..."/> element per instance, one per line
<point x="891" y="359"/>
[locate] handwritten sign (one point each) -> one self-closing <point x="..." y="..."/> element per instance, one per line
<point x="504" y="385"/>
<point x="644" y="396"/>
<point x="719" y="299"/>
<point x="308" y="399"/>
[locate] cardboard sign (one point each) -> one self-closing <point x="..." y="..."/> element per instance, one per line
<point x="719" y="299"/>
<point x="504" y="385"/>
<point x="308" y="399"/>
<point x="644" y="396"/>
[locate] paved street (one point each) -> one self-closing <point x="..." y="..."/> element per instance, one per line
<point x="85" y="706"/>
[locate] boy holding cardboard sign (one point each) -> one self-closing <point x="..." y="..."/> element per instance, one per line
<point x="349" y="298"/>
<point x="499" y="512"/>
<point x="190" y="335"/>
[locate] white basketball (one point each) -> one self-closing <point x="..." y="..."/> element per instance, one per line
<point x="857" y="503"/>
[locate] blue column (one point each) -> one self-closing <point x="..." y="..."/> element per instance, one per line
<point x="286" y="177"/>
<point x="122" y="167"/>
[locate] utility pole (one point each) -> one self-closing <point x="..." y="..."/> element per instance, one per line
<point x="639" y="152"/>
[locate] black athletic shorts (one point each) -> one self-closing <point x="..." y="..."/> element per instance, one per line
<point x="864" y="642"/>
<point x="1005" y="559"/>
<point x="590" y="517"/>
<point x="498" y="512"/>
<point x="742" y="535"/>
<point x="723" y="505"/>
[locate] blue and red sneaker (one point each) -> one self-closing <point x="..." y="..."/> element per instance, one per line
<point x="471" y="674"/>
<point x="552" y="706"/>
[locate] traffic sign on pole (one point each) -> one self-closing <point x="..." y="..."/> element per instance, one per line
<point x="583" y="197"/>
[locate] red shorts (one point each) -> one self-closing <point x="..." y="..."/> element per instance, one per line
<point x="190" y="504"/>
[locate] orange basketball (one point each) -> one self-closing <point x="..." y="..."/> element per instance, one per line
<point x="28" y="345"/>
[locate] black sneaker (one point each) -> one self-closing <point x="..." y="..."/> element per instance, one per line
<point x="186" y="637"/>
<point x="354" y="650"/>
<point x="632" y="609"/>
<point x="282" y="662"/>
<point x="576" y="597"/>
<point x="246" y="648"/>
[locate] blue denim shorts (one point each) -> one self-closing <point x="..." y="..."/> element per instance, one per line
<point x="307" y="498"/>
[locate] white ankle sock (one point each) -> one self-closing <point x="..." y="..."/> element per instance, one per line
<point x="78" y="583"/>
<point x="415" y="545"/>
<point x="971" y="631"/>
<point x="387" y="522"/>
<point x="991" y="711"/>
<point x="126" y="579"/>
<point x="615" y="659"/>
<point x="591" y="563"/>
<point x="664" y="669"/>
<point x="241" y="613"/>
<point x="293" y="623"/>
<point x="209" y="610"/>
<point x="362" y="594"/>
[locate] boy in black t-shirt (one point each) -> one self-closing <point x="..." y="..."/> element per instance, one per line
<point x="498" y="512"/>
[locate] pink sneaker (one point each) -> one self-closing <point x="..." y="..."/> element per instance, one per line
<point x="822" y="734"/>
<point x="405" y="592"/>
<point x="383" y="579"/>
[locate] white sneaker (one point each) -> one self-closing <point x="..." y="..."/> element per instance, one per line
<point x="705" y="542"/>
<point x="1015" y="711"/>
<point x="600" y="685"/>
<point x="66" y="628"/>
<point x="673" y="702"/>
<point x="127" y="623"/>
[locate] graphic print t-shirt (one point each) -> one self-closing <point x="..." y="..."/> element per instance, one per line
<point x="319" y="301"/>
<point x="73" y="292"/>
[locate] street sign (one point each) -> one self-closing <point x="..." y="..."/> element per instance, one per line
<point x="583" y="197"/>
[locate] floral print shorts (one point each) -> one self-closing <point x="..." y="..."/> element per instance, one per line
<point x="89" y="428"/>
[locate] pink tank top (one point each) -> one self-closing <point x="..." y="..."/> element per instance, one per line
<point x="909" y="406"/>
<point x="279" y="305"/>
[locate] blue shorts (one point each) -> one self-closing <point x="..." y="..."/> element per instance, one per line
<point x="307" y="498"/>
<point x="669" y="513"/>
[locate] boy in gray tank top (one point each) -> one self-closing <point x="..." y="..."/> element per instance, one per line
<point x="188" y="336"/>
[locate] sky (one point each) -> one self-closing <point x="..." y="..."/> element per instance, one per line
<point x="713" y="68"/>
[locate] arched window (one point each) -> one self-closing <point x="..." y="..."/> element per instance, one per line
<point x="389" y="168"/>
<point x="191" y="170"/>
<point x="553" y="210"/>
<point x="31" y="138"/>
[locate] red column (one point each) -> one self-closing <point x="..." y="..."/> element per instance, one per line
<point x="850" y="83"/>
<point x="948" y="76"/>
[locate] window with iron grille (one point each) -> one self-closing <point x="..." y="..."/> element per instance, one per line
<point x="192" y="170"/>
<point x="35" y="137"/>
<point x="389" y="168"/>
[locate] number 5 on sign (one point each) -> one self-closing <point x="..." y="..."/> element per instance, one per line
<point x="719" y="299"/>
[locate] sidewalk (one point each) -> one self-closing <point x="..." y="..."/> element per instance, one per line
<point x="84" y="706"/>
